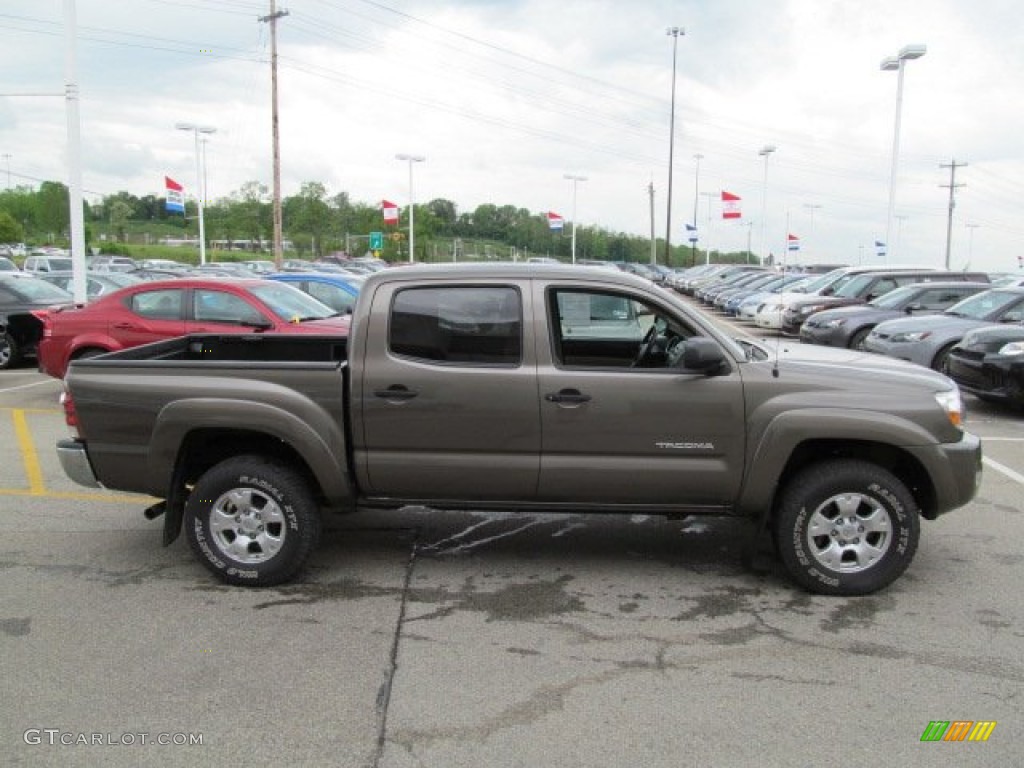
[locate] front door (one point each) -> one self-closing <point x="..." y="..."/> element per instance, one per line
<point x="622" y="422"/>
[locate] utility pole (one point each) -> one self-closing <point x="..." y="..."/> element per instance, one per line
<point x="654" y="246"/>
<point x="278" y="224"/>
<point x="952" y="165"/>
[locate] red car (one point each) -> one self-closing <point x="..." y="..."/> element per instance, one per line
<point x="163" y="309"/>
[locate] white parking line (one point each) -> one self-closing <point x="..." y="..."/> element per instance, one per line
<point x="26" y="386"/>
<point x="1005" y="470"/>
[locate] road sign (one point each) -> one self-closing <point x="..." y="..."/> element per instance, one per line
<point x="376" y="241"/>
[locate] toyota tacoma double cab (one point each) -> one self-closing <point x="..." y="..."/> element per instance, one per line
<point x="529" y="388"/>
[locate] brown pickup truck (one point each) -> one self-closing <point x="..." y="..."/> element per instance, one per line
<point x="530" y="388"/>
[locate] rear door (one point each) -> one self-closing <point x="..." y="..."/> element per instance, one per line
<point x="447" y="407"/>
<point x="149" y="315"/>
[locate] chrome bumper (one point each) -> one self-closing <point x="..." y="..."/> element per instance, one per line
<point x="75" y="463"/>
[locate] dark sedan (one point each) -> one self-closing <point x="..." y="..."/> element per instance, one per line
<point x="24" y="299"/>
<point x="849" y="326"/>
<point x="989" y="363"/>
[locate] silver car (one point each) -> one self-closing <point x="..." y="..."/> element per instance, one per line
<point x="927" y="339"/>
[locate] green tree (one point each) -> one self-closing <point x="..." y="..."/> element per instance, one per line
<point x="10" y="230"/>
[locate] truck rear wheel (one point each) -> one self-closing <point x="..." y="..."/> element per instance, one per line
<point x="252" y="521"/>
<point x="846" y="527"/>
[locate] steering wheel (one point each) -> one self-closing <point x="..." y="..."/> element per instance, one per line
<point x="646" y="345"/>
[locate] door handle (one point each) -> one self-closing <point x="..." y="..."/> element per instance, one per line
<point x="567" y="396"/>
<point x="396" y="392"/>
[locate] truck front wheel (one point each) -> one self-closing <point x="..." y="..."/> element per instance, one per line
<point x="846" y="527"/>
<point x="252" y="521"/>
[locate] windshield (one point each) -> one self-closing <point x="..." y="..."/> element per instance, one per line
<point x="36" y="289"/>
<point x="820" y="282"/>
<point x="291" y="304"/>
<point x="981" y="305"/>
<point x="896" y="298"/>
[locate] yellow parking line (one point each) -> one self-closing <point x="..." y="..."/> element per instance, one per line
<point x="75" y="496"/>
<point x="36" y="487"/>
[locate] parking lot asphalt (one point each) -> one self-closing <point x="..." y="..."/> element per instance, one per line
<point x="420" y="638"/>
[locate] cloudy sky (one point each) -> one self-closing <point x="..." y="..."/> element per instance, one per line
<point x="505" y="97"/>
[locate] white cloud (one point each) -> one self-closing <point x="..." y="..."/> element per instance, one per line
<point x="504" y="97"/>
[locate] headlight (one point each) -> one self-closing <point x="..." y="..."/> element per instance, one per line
<point x="910" y="336"/>
<point x="809" y="310"/>
<point x="951" y="403"/>
<point x="839" y="322"/>
<point x="1013" y="348"/>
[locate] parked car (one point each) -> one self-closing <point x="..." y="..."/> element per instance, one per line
<point x="112" y="264"/>
<point x="161" y="309"/>
<point x="24" y="300"/>
<point x="47" y="262"/>
<point x="96" y="283"/>
<point x="860" y="289"/>
<point x="770" y="314"/>
<point x="164" y="265"/>
<point x="743" y="305"/>
<point x="989" y="363"/>
<point x="338" y="291"/>
<point x="8" y="265"/>
<point x="928" y="339"/>
<point x="849" y="326"/>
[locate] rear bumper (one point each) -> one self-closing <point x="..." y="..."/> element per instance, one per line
<point x="75" y="463"/>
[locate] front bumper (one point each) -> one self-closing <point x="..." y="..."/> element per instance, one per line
<point x="955" y="468"/>
<point x="75" y="463"/>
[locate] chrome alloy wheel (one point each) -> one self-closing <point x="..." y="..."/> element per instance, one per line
<point x="849" y="532"/>
<point x="247" y="525"/>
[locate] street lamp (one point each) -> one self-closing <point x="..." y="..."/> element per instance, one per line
<point x="674" y="33"/>
<point x="764" y="152"/>
<point x="200" y="186"/>
<point x="574" y="179"/>
<point x="696" y="199"/>
<point x="412" y="216"/>
<point x="970" y="242"/>
<point x="812" y="207"/>
<point x="890" y="64"/>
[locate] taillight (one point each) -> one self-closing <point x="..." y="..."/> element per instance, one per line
<point x="70" y="414"/>
<point x="43" y="315"/>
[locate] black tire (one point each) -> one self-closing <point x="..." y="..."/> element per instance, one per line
<point x="252" y="521"/>
<point x="857" y="339"/>
<point x="942" y="357"/>
<point x="10" y="352"/>
<point x="846" y="527"/>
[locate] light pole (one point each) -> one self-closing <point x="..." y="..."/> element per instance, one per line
<point x="7" y="158"/>
<point x="696" y="198"/>
<point x="574" y="179"/>
<point x="970" y="241"/>
<point x="812" y="207"/>
<point x="764" y="152"/>
<point x="412" y="216"/>
<point x="890" y="64"/>
<point x="200" y="187"/>
<point x="674" y="33"/>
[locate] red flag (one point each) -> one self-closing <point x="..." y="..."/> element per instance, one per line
<point x="730" y="205"/>
<point x="793" y="242"/>
<point x="390" y="212"/>
<point x="555" y="222"/>
<point x="175" y="195"/>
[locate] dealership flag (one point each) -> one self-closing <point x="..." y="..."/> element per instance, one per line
<point x="390" y="212"/>
<point x="880" y="247"/>
<point x="175" y="195"/>
<point x="730" y="205"/>
<point x="555" y="222"/>
<point x="793" y="242"/>
<point x="691" y="231"/>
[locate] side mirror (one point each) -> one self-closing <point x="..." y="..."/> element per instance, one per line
<point x="912" y="308"/>
<point x="703" y="355"/>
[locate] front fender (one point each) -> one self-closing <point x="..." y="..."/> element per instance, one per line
<point x="771" y="450"/>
